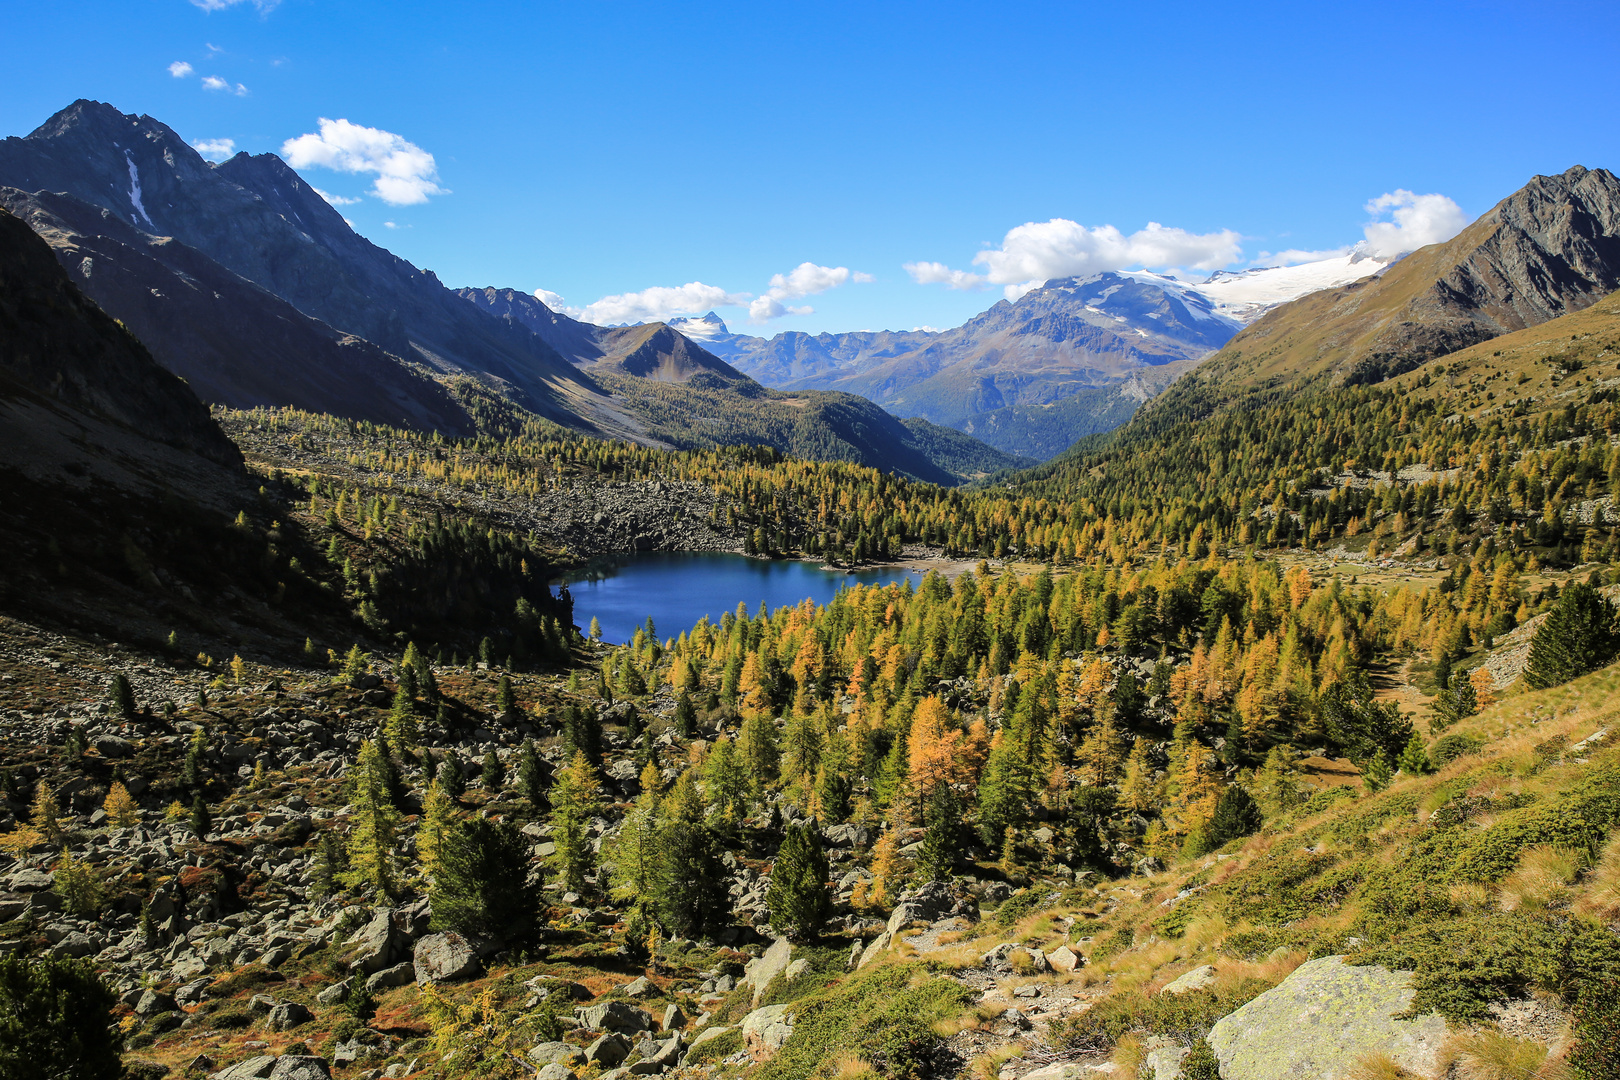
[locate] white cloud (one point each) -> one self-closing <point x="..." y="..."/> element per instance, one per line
<point x="215" y="149"/>
<point x="659" y="303"/>
<point x="214" y="82"/>
<point x="406" y="174"/>
<point x="937" y="273"/>
<point x="765" y="308"/>
<point x="806" y="279"/>
<point x="180" y="69"/>
<point x="335" y="200"/>
<point x="264" y="6"/>
<point x="1420" y="220"/>
<point x="555" y="302"/>
<point x="1036" y="251"/>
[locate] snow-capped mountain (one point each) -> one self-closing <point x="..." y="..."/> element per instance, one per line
<point x="1245" y="295"/>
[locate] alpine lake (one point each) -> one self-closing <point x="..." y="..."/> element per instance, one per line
<point x="676" y="589"/>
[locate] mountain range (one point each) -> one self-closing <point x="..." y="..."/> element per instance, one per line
<point x="1074" y="357"/>
<point x="244" y="280"/>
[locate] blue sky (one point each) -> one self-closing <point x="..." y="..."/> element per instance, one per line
<point x="600" y="150"/>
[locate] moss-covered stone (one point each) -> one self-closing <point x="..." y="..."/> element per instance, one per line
<point x="1321" y="1020"/>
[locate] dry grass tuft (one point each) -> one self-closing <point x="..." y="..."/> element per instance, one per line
<point x="1543" y="878"/>
<point x="1489" y="1055"/>
<point x="850" y="1067"/>
<point x="987" y="1066"/>
<point x="1601" y="898"/>
<point x="1378" y="1067"/>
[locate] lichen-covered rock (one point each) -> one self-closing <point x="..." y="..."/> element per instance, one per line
<point x="765" y="1030"/>
<point x="1199" y="978"/>
<point x="1321" y="1020"/>
<point x="444" y="958"/>
<point x="300" y="1067"/>
<point x="759" y="973"/>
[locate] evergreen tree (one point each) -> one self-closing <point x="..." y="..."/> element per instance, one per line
<point x="438" y="816"/>
<point x="494" y="773"/>
<point x="375" y="824"/>
<point x="1276" y="785"/>
<point x="400" y="727"/>
<point x="122" y="697"/>
<point x="483" y="885"/>
<point x="201" y="821"/>
<point x="1236" y="814"/>
<point x="725" y="782"/>
<point x="1092" y="808"/>
<point x="941" y="840"/>
<point x="505" y="699"/>
<point x="1415" y="758"/>
<point x="575" y="801"/>
<point x="56" y="1020"/>
<point x="1006" y="791"/>
<point x="1581" y="634"/>
<point x="531" y="775"/>
<point x="192" y="773"/>
<point x="329" y="864"/>
<point x="798" y="897"/>
<point x="1377" y="773"/>
<point x="691" y="893"/>
<point x="685" y="716"/>
<point x="636" y="853"/>
<point x="759" y="753"/>
<point x="449" y="776"/>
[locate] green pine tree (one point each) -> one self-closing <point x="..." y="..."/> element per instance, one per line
<point x="1377" y="775"/>
<point x="483" y="884"/>
<point x="375" y="823"/>
<point x="1581" y="634"/>
<point x="1415" y="758"/>
<point x="575" y="799"/>
<point x="201" y="821"/>
<point x="941" y="841"/>
<point x="494" y="773"/>
<point x="531" y="775"/>
<point x="690" y="897"/>
<point x="1236" y="814"/>
<point x="122" y="697"/>
<point x="56" y="1020"/>
<point x="798" y="897"/>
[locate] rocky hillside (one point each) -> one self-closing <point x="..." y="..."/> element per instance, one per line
<point x="255" y="217"/>
<point x="1550" y="248"/>
<point x="233" y="342"/>
<point x="60" y="346"/>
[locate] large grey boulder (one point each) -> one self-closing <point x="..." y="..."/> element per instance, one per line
<point x="556" y="1071"/>
<point x="1199" y="978"/>
<point x="300" y="1067"/>
<point x="445" y="958"/>
<point x="548" y="1053"/>
<point x="1323" y="1019"/>
<point x="614" y="1016"/>
<point x="759" y="973"/>
<point x="609" y="1050"/>
<point x="389" y="977"/>
<point x="379" y="944"/>
<point x="254" y="1068"/>
<point x="765" y="1030"/>
<point x="658" y="1057"/>
<point x="288" y="1015"/>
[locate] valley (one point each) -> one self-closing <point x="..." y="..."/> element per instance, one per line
<point x="1202" y="680"/>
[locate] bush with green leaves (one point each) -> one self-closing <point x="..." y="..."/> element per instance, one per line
<point x="56" y="1021"/>
<point x="1449" y="748"/>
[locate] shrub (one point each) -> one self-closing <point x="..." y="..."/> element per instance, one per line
<point x="1200" y="1063"/>
<point x="56" y="1011"/>
<point x="721" y="1046"/>
<point x="1578" y="818"/>
<point x="885" y="1017"/>
<point x="1596" y="1053"/>
<point x="1449" y="748"/>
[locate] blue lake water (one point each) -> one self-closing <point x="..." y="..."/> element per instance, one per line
<point x="679" y="588"/>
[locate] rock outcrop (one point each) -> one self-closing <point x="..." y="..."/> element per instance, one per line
<point x="1322" y="1020"/>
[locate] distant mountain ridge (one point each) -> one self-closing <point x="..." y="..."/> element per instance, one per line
<point x="1029" y="376"/>
<point x="245" y="280"/>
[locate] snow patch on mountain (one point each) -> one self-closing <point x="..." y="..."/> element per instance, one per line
<point x="1245" y="295"/>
